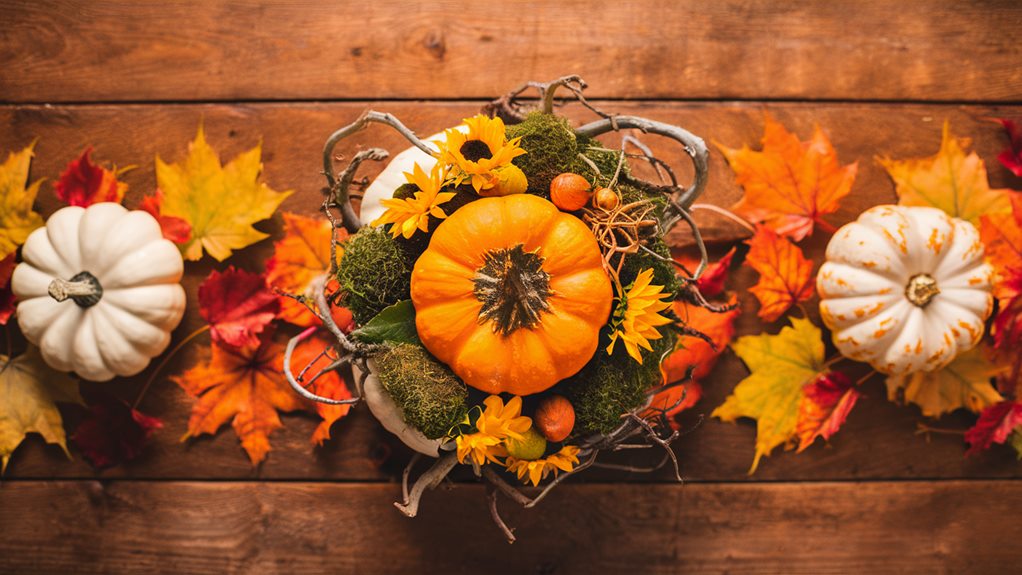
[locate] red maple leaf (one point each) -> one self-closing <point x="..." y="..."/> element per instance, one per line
<point x="174" y="229"/>
<point x="995" y="424"/>
<point x="84" y="183"/>
<point x="113" y="432"/>
<point x="711" y="283"/>
<point x="1011" y="157"/>
<point x="237" y="305"/>
<point x="6" y="294"/>
<point x="824" y="407"/>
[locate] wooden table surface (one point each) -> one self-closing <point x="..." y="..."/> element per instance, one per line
<point x="135" y="79"/>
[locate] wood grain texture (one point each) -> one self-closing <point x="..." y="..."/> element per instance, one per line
<point x="295" y="528"/>
<point x="878" y="442"/>
<point x="934" y="50"/>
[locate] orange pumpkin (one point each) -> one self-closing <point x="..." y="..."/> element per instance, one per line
<point x="511" y="294"/>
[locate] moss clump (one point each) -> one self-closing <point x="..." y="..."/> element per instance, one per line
<point x="372" y="273"/>
<point x="606" y="161"/>
<point x="551" y="148"/>
<point x="611" y="385"/>
<point x="430" y="396"/>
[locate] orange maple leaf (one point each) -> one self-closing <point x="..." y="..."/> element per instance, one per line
<point x="950" y="180"/>
<point x="1001" y="234"/>
<point x="329" y="384"/>
<point x="789" y="185"/>
<point x="300" y="257"/>
<point x="696" y="353"/>
<point x="245" y="386"/>
<point x="785" y="275"/>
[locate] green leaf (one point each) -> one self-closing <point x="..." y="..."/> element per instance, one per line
<point x="395" y="324"/>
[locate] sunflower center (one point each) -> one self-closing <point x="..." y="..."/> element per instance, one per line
<point x="475" y="150"/>
<point x="513" y="288"/>
<point x="921" y="289"/>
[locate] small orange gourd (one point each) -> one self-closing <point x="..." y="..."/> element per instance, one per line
<point x="554" y="418"/>
<point x="570" y="192"/>
<point x="511" y="294"/>
<point x="606" y="199"/>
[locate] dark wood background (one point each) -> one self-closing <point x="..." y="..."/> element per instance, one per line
<point x="134" y="80"/>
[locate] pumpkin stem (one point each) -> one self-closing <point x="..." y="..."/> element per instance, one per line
<point x="513" y="288"/>
<point x="921" y="289"/>
<point x="83" y="289"/>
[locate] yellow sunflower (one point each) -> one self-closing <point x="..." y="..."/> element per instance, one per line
<point x="483" y="157"/>
<point x="538" y="469"/>
<point x="496" y="423"/>
<point x="637" y="316"/>
<point x="410" y="214"/>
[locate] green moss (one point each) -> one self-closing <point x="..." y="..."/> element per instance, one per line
<point x="373" y="273"/>
<point x="551" y="149"/>
<point x="611" y="385"/>
<point x="605" y="159"/>
<point x="430" y="396"/>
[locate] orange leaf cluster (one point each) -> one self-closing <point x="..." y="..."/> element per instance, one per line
<point x="789" y="185"/>
<point x="243" y="386"/>
<point x="300" y="257"/>
<point x="785" y="274"/>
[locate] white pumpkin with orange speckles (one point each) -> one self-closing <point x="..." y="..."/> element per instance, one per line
<point x="905" y="289"/>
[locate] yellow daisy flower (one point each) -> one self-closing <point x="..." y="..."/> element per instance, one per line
<point x="483" y="157"/>
<point x="637" y="315"/>
<point x="410" y="214"/>
<point x="538" y="469"/>
<point x="496" y="423"/>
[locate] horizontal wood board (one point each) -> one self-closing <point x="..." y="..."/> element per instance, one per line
<point x="922" y="50"/>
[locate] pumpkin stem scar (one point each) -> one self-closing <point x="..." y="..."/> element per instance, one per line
<point x="921" y="289"/>
<point x="83" y="289"/>
<point x="513" y="288"/>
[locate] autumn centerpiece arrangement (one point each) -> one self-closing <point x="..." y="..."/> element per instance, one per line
<point x="512" y="292"/>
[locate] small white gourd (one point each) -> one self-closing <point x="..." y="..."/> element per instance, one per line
<point x="98" y="290"/>
<point x="905" y="289"/>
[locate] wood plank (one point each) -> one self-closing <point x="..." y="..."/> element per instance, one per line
<point x="879" y="441"/>
<point x="60" y="51"/>
<point x="182" y="528"/>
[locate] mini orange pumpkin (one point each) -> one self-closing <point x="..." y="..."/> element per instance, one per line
<point x="570" y="192"/>
<point x="554" y="418"/>
<point x="511" y="294"/>
<point x="606" y="199"/>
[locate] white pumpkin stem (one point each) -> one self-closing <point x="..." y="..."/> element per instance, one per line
<point x="921" y="289"/>
<point x="83" y="288"/>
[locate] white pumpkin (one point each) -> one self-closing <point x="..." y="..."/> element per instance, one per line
<point x="393" y="176"/>
<point x="905" y="289"/>
<point x="98" y="290"/>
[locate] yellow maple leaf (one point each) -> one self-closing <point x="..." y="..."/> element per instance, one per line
<point x="965" y="382"/>
<point x="951" y="181"/>
<point x="220" y="203"/>
<point x="17" y="219"/>
<point x="779" y="365"/>
<point x="30" y="390"/>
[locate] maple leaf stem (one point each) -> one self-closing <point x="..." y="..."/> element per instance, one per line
<point x="164" y="361"/>
<point x="922" y="428"/>
<point x="825" y="225"/>
<point x="727" y="214"/>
